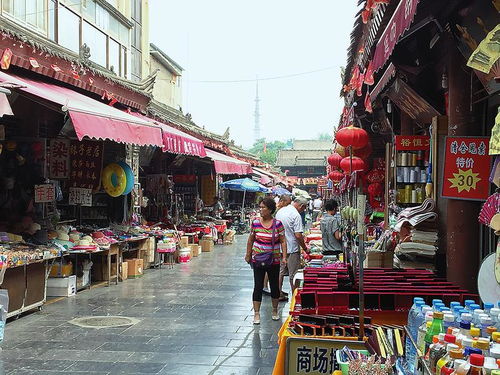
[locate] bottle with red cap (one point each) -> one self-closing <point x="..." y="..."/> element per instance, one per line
<point x="453" y="354"/>
<point x="476" y="364"/>
<point x="440" y="350"/>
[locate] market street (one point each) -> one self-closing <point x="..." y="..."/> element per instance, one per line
<point x="194" y="319"/>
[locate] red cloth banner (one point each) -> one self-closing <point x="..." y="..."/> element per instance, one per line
<point x="399" y="23"/>
<point x="466" y="168"/>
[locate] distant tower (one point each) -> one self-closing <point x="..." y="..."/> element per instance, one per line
<point x="256" y="129"/>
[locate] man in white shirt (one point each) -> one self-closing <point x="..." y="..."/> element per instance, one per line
<point x="317" y="207"/>
<point x="290" y="217"/>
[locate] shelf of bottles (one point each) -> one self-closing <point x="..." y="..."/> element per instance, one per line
<point x="411" y="169"/>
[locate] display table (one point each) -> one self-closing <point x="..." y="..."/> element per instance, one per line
<point x="27" y="286"/>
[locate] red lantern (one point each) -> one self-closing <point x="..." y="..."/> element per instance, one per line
<point x="334" y="160"/>
<point x="335" y="176"/>
<point x="364" y="152"/>
<point x="341" y="150"/>
<point x="357" y="164"/>
<point x="352" y="136"/>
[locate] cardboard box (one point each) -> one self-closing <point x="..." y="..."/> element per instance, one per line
<point x="379" y="259"/>
<point x="184" y="242"/>
<point x="124" y="271"/>
<point x="207" y="245"/>
<point x="61" y="271"/>
<point x="135" y="268"/>
<point x="195" y="250"/>
<point x="61" y="286"/>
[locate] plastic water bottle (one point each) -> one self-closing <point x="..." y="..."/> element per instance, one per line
<point x="487" y="307"/>
<point x="438" y="306"/>
<point x="448" y="321"/>
<point x="494" y="314"/>
<point x="456" y="312"/>
<point x="468" y="302"/>
<point x="473" y="307"/>
<point x="476" y="316"/>
<point x="485" y="322"/>
<point x="413" y="329"/>
<point x="434" y="301"/>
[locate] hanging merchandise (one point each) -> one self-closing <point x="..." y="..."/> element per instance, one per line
<point x="335" y="176"/>
<point x="130" y="177"/>
<point x="369" y="80"/>
<point x="352" y="137"/>
<point x="490" y="212"/>
<point x="334" y="160"/>
<point x="363" y="152"/>
<point x="117" y="179"/>
<point x="353" y="164"/>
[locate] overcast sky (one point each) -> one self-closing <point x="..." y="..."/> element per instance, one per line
<point x="226" y="40"/>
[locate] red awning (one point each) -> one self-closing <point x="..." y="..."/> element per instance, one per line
<point x="227" y="165"/>
<point x="90" y="117"/>
<point x="176" y="141"/>
<point x="399" y="23"/>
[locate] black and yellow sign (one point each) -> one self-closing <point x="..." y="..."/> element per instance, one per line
<point x="315" y="356"/>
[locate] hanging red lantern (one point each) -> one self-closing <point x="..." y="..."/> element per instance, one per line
<point x="352" y="136"/>
<point x="335" y="176"/>
<point x="334" y="160"/>
<point x="341" y="150"/>
<point x="357" y="164"/>
<point x="363" y="152"/>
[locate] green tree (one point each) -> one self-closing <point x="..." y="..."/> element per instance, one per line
<point x="324" y="137"/>
<point x="267" y="151"/>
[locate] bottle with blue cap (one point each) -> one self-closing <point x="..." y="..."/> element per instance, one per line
<point x="468" y="302"/>
<point x="476" y="316"/>
<point x="418" y="302"/>
<point x="487" y="307"/>
<point x="456" y="311"/>
<point x="494" y="314"/>
<point x="453" y="304"/>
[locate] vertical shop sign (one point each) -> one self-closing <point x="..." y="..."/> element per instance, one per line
<point x="466" y="168"/>
<point x="86" y="164"/>
<point x="80" y="197"/>
<point x="59" y="158"/>
<point x="45" y="193"/>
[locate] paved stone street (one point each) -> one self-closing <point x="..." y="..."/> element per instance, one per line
<point x="195" y="319"/>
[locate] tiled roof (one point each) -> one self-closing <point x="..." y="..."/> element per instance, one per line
<point x="291" y="158"/>
<point x="310" y="144"/>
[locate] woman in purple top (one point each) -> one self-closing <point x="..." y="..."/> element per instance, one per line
<point x="267" y="236"/>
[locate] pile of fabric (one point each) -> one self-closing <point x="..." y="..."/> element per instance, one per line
<point x="418" y="236"/>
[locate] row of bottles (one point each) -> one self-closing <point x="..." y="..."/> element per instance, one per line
<point x="454" y="340"/>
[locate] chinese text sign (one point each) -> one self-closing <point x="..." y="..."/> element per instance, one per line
<point x="59" y="158"/>
<point x="45" y="193"/>
<point x="466" y="168"/>
<point x="86" y="164"/>
<point x="412" y="142"/>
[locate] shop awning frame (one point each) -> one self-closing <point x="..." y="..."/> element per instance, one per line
<point x="90" y="118"/>
<point x="176" y="141"/>
<point x="399" y="23"/>
<point x="224" y="164"/>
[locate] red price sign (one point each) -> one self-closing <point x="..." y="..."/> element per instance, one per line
<point x="412" y="142"/>
<point x="466" y="168"/>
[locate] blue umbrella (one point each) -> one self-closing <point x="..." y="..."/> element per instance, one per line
<point x="278" y="190"/>
<point x="243" y="184"/>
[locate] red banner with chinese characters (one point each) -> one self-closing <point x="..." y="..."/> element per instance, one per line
<point x="86" y="164"/>
<point x="466" y="168"/>
<point x="412" y="142"/>
<point x="59" y="158"/>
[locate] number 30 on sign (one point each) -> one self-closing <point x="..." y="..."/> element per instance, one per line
<point x="466" y="168"/>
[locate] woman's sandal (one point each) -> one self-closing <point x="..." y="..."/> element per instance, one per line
<point x="275" y="315"/>
<point x="256" y="318"/>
